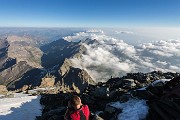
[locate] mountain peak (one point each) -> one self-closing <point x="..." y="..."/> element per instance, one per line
<point x="89" y="41"/>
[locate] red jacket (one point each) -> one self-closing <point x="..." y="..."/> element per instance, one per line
<point x="75" y="115"/>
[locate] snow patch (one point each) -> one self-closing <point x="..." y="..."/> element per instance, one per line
<point x="132" y="110"/>
<point x="2" y="95"/>
<point x="21" y="107"/>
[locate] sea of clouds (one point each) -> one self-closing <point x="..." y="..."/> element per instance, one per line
<point x="108" y="56"/>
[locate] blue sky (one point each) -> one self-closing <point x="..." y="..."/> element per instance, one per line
<point x="90" y="13"/>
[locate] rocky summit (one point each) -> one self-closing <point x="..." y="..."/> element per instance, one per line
<point x="159" y="90"/>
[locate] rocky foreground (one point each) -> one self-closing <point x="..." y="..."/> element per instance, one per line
<point x="160" y="90"/>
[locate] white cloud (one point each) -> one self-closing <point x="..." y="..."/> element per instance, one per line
<point x="92" y="34"/>
<point x="123" y="32"/>
<point x="173" y="67"/>
<point x="113" y="57"/>
<point x="163" y="48"/>
<point x="161" y="53"/>
<point x="163" y="63"/>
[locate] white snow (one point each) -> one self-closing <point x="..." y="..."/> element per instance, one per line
<point x="1" y="95"/>
<point x="155" y="82"/>
<point x="161" y="80"/>
<point x="132" y="110"/>
<point x="40" y="89"/>
<point x="21" y="107"/>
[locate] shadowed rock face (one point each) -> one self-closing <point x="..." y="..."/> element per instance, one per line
<point x="60" y="52"/>
<point x="15" y="72"/>
<point x="30" y="78"/>
<point x="57" y="51"/>
<point x="79" y="78"/>
<point x="4" y="45"/>
<point x="74" y="76"/>
<point x="12" y="71"/>
<point x="5" y="61"/>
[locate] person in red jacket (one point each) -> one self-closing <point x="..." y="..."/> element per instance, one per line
<point x="76" y="110"/>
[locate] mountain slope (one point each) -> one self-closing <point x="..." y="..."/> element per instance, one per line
<point x="5" y="61"/>
<point x="13" y="71"/>
<point x="56" y="52"/>
<point x="22" y="49"/>
<point x="72" y="76"/>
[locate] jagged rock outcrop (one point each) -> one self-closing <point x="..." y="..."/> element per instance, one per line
<point x="80" y="78"/>
<point x="65" y="67"/>
<point x="3" y="89"/>
<point x="57" y="51"/>
<point x="90" y="41"/>
<point x="48" y="81"/>
<point x="72" y="76"/>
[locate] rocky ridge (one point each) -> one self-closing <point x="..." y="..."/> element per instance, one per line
<point x="24" y="75"/>
<point x="121" y="89"/>
<point x="57" y="51"/>
<point x="11" y="70"/>
<point x="5" y="60"/>
<point x="21" y="49"/>
<point x="59" y="54"/>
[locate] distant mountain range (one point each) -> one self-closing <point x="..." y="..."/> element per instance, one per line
<point x="80" y="59"/>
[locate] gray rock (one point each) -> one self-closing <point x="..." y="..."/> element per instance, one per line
<point x="110" y="109"/>
<point x="96" y="117"/>
<point x="128" y="83"/>
<point x="3" y="89"/>
<point x="48" y="81"/>
<point x="101" y="92"/>
<point x="77" y="78"/>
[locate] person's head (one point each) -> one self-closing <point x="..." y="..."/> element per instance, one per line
<point x="76" y="102"/>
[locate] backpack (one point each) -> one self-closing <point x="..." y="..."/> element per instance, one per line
<point x="82" y="116"/>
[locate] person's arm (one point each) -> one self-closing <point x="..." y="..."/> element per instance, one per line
<point x="68" y="110"/>
<point x="66" y="115"/>
<point x="88" y="111"/>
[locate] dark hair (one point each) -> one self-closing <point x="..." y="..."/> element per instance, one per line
<point x="75" y="100"/>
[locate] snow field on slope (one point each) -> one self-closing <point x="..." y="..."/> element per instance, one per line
<point x="21" y="107"/>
